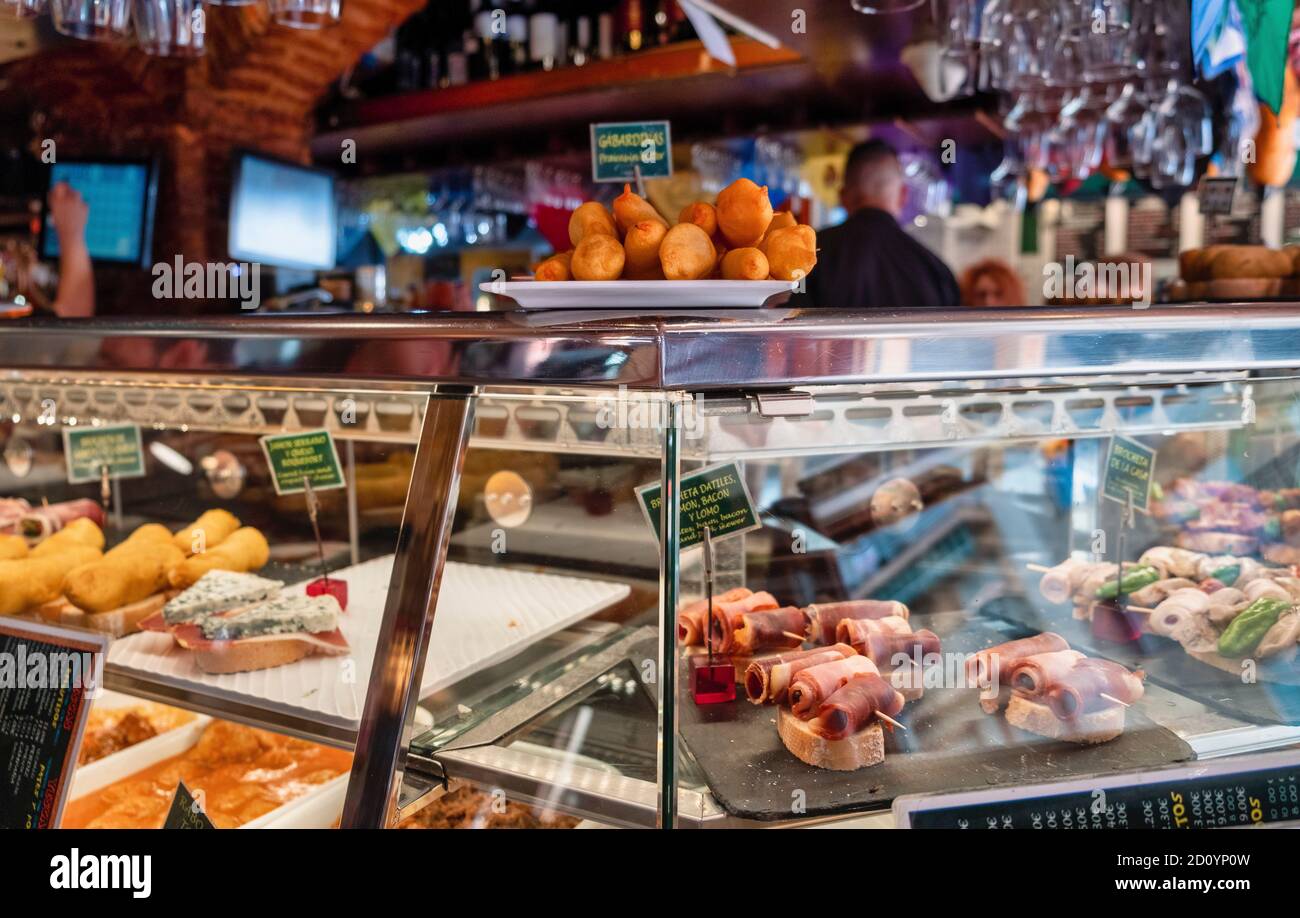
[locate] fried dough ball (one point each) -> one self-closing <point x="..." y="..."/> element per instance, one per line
<point x="630" y="209"/>
<point x="792" y="252"/>
<point x="687" y="253"/>
<point x="744" y="264"/>
<point x="780" y="220"/>
<point x="642" y="249"/>
<point x="555" y="268"/>
<point x="598" y="257"/>
<point x="590" y="219"/>
<point x="702" y="214"/>
<point x="720" y="249"/>
<point x="744" y="213"/>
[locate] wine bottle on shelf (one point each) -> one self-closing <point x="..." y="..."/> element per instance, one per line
<point x="491" y="44"/>
<point x="544" y="40"/>
<point x="516" y="57"/>
<point x="679" y="27"/>
<point x="580" y="51"/>
<point x="632" y="26"/>
<point x="458" y="56"/>
<point x="605" y="29"/>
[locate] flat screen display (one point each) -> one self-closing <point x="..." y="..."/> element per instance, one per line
<point x="282" y="215"/>
<point x="120" y="201"/>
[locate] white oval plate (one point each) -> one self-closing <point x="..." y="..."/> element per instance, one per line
<point x="621" y="294"/>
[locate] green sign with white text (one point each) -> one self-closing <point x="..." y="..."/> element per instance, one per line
<point x="619" y="150"/>
<point x="294" y="458"/>
<point x="89" y="450"/>
<point x="715" y="497"/>
<point x="1130" y="468"/>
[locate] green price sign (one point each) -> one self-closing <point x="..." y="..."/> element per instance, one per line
<point x="88" y="450"/>
<point x="618" y="150"/>
<point x="715" y="497"/>
<point x="294" y="458"/>
<point x="1130" y="467"/>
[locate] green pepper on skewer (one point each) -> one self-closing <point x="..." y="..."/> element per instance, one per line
<point x="1132" y="580"/>
<point x="1244" y="632"/>
<point x="1227" y="575"/>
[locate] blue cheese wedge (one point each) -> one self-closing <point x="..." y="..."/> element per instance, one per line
<point x="219" y="591"/>
<point x="283" y="615"/>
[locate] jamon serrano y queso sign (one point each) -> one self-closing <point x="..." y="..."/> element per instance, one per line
<point x="293" y="458"/>
<point x="715" y="497"/>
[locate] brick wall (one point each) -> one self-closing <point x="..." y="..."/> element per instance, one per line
<point x="255" y="88"/>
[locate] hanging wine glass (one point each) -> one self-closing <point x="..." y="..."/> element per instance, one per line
<point x="885" y="7"/>
<point x="169" y="28"/>
<point x="93" y="20"/>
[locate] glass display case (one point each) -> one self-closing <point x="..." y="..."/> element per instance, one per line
<point x="923" y="593"/>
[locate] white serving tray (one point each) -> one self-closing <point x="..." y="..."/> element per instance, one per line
<point x="484" y="616"/>
<point x="317" y="809"/>
<point x="621" y="294"/>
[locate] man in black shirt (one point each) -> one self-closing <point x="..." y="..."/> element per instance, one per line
<point x="868" y="261"/>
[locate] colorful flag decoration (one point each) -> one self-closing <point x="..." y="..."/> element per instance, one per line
<point x="1267" y="24"/>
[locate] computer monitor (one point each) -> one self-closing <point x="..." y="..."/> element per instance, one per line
<point x="120" y="195"/>
<point x="282" y="214"/>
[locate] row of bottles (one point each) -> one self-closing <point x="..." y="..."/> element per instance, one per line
<point x="454" y="42"/>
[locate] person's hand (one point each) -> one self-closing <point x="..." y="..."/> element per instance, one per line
<point x="69" y="211"/>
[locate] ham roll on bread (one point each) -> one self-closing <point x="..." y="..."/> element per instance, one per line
<point x="1079" y="691"/>
<point x="990" y="669"/>
<point x="767" y="679"/>
<point x="826" y="617"/>
<point x="691" y="619"/>
<point x="812" y="686"/>
<point x="883" y="647"/>
<point x="855" y="705"/>
<point x="845" y="733"/>
<point x="738" y="631"/>
<point x="1073" y="704"/>
<point x="1032" y="675"/>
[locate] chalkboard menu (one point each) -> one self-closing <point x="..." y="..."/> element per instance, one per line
<point x="48" y="677"/>
<point x="1243" y="791"/>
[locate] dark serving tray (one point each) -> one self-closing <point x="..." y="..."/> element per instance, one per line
<point x="1274" y="698"/>
<point x="950" y="744"/>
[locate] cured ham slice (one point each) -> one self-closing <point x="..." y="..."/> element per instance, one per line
<point x="987" y="665"/>
<point x="691" y="619"/>
<point x="826" y="617"/>
<point x="1033" y="675"/>
<point x="854" y="705"/>
<point x="815" y="684"/>
<point x="1079" y="689"/>
<point x="767" y="679"/>
<point x="740" y="631"/>
<point x="883" y="647"/>
<point x="190" y="636"/>
<point x="40" y="522"/>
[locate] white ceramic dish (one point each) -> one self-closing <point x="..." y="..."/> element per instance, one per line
<point x="701" y="294"/>
<point x="484" y="616"/>
<point x="318" y="809"/>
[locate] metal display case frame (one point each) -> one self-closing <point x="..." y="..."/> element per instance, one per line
<point x="975" y="370"/>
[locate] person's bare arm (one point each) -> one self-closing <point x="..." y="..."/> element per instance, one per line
<point x="76" y="294"/>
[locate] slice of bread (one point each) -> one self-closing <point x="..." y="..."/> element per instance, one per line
<point x="1089" y="729"/>
<point x="864" y="748"/>
<point x="242" y="656"/>
<point x="115" y="622"/>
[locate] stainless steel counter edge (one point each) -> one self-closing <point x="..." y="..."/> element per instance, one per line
<point x="685" y="350"/>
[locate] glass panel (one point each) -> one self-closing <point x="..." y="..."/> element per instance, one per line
<point x="545" y="644"/>
<point x="953" y="520"/>
<point x="219" y="597"/>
